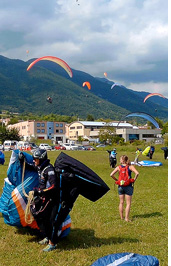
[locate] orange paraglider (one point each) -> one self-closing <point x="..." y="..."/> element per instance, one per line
<point x="105" y="74"/>
<point x="86" y="83"/>
<point x="55" y="60"/>
<point x="153" y="94"/>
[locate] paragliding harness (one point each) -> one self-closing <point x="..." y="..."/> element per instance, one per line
<point x="73" y="178"/>
<point x="39" y="204"/>
<point x="124" y="179"/>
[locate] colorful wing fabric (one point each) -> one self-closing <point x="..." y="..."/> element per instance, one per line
<point x="55" y="60"/>
<point x="143" y="115"/>
<point x="153" y="94"/>
<point x="86" y="83"/>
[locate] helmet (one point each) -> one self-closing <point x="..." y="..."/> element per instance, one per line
<point x="40" y="154"/>
<point x="114" y="149"/>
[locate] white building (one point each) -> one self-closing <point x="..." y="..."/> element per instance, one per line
<point x="90" y="130"/>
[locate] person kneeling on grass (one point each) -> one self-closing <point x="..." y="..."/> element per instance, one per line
<point x="125" y="184"/>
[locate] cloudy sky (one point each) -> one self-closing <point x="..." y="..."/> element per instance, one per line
<point x="128" y="39"/>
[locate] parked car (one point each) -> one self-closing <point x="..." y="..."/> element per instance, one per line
<point x="10" y="145"/>
<point x="90" y="148"/>
<point x="101" y="146"/>
<point x="33" y="145"/>
<point x="82" y="147"/>
<point x="1" y="147"/>
<point x="45" y="146"/>
<point x="23" y="145"/>
<point x="59" y="147"/>
<point x="70" y="146"/>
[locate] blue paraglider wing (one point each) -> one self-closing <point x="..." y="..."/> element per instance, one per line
<point x="143" y="115"/>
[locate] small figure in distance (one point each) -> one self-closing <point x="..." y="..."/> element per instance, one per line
<point x="138" y="153"/>
<point x="112" y="158"/>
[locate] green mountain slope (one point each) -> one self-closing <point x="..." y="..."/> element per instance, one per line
<point x="120" y="96"/>
<point x="26" y="91"/>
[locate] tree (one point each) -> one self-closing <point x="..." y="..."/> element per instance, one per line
<point x="107" y="134"/>
<point x="90" y="118"/>
<point x="165" y="128"/>
<point x="9" y="134"/>
<point x="12" y="121"/>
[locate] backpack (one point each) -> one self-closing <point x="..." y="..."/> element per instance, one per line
<point x="124" y="179"/>
<point x="152" y="149"/>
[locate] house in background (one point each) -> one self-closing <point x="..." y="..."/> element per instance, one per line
<point x="41" y="130"/>
<point x="90" y="130"/>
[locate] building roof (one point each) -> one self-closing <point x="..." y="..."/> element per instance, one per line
<point x="92" y="123"/>
<point x="100" y="124"/>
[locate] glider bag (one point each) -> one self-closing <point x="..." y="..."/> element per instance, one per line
<point x="127" y="259"/>
<point x="78" y="177"/>
<point x="13" y="202"/>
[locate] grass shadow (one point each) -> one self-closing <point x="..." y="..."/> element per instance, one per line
<point x="78" y="238"/>
<point x="148" y="215"/>
<point x="85" y="238"/>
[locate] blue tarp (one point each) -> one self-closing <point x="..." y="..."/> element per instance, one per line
<point x="126" y="259"/>
<point x="148" y="163"/>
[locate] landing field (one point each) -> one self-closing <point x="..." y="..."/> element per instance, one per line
<point x="96" y="229"/>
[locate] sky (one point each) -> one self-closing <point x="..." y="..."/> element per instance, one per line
<point x="127" y="39"/>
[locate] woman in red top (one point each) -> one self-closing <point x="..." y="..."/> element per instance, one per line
<point x="125" y="191"/>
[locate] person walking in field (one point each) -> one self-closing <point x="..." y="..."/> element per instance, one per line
<point x="125" y="185"/>
<point x="112" y="158"/>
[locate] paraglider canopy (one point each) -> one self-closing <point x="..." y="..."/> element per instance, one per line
<point x="90" y="185"/>
<point x="86" y="83"/>
<point x="105" y="74"/>
<point x="153" y="94"/>
<point x="143" y="115"/>
<point x="55" y="60"/>
<point x="116" y="84"/>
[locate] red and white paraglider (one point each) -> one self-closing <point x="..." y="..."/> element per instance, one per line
<point x="153" y="94"/>
<point x="55" y="60"/>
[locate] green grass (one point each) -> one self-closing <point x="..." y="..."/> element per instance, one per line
<point x="96" y="227"/>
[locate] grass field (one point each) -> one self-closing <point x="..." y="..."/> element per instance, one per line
<point x="96" y="226"/>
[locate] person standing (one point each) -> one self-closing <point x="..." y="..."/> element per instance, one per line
<point x="112" y="158"/>
<point x="48" y="191"/>
<point x="138" y="152"/>
<point x="125" y="185"/>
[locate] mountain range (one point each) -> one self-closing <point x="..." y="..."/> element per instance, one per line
<point x="26" y="92"/>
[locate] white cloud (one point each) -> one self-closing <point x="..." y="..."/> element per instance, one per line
<point x="150" y="87"/>
<point x="126" y="38"/>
